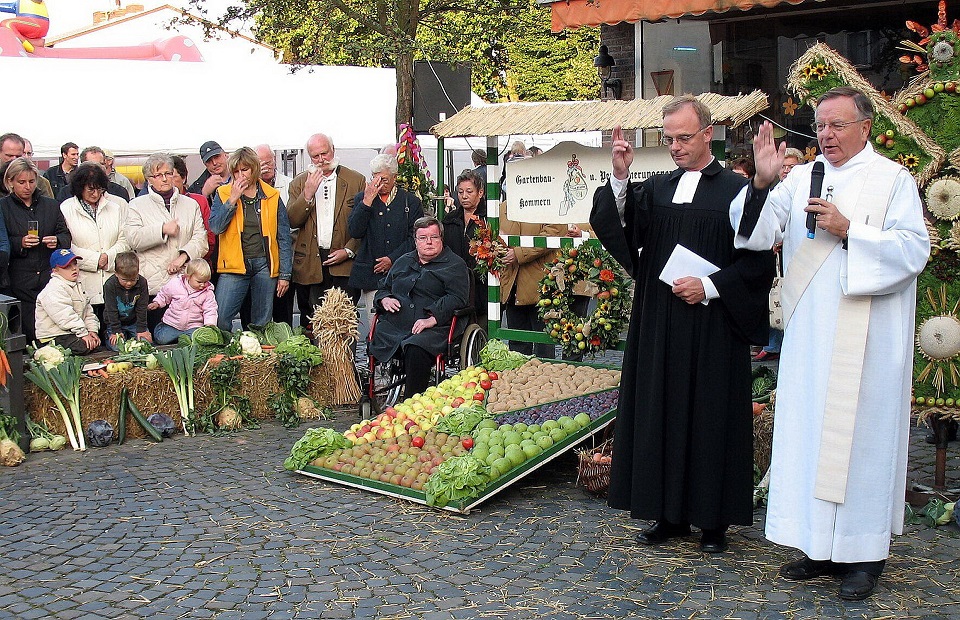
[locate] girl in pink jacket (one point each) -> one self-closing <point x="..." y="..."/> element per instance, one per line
<point x="190" y="300"/>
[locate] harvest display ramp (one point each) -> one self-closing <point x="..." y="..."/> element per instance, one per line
<point x="464" y="506"/>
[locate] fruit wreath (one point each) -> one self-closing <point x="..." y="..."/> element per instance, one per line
<point x="588" y="271"/>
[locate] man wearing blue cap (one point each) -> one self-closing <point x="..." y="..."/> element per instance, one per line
<point x="64" y="315"/>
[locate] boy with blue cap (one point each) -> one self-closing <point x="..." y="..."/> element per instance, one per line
<point x="64" y="314"/>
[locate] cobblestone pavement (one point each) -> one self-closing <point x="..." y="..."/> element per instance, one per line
<point x="212" y="527"/>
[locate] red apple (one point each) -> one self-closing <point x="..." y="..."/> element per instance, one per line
<point x="486" y="385"/>
<point x="493" y="375"/>
<point x="417" y="442"/>
<point x="470" y="385"/>
<point x="467" y="442"/>
<point x="457" y="401"/>
<point x="478" y="396"/>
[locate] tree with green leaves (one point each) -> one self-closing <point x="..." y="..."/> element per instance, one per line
<point x="508" y="42"/>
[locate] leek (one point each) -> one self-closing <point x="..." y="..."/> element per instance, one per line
<point x="178" y="364"/>
<point x="62" y="383"/>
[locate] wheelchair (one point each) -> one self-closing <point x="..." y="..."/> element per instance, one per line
<point x="385" y="378"/>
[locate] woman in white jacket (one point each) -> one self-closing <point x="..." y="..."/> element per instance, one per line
<point x="164" y="228"/>
<point x="96" y="221"/>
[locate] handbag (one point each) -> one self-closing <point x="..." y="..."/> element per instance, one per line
<point x="776" y="311"/>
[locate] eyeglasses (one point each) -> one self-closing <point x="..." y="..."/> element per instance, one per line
<point x="433" y="238"/>
<point x="683" y="139"/>
<point x="162" y="175"/>
<point x="835" y="126"/>
<point x="95" y="190"/>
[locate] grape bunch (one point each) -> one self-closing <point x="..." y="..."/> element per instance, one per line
<point x="594" y="405"/>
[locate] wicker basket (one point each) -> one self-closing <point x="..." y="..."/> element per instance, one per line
<point x="592" y="475"/>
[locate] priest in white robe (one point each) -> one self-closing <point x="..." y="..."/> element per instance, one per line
<point x="838" y="469"/>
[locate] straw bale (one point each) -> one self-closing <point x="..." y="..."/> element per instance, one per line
<point x="762" y="439"/>
<point x="562" y="116"/>
<point x="152" y="392"/>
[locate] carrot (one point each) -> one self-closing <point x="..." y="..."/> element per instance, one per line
<point x="215" y="360"/>
<point x="103" y="373"/>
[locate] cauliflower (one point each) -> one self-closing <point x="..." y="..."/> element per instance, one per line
<point x="249" y="345"/>
<point x="48" y="356"/>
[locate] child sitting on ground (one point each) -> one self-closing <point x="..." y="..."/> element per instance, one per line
<point x="125" y="299"/>
<point x="64" y="314"/>
<point x="191" y="303"/>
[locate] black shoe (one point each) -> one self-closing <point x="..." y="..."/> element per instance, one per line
<point x="714" y="541"/>
<point x="857" y="585"/>
<point x="661" y="531"/>
<point x="805" y="568"/>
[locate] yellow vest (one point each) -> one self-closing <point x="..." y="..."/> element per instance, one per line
<point x="230" y="258"/>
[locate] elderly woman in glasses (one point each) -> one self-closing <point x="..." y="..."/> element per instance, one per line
<point x="419" y="297"/>
<point x="35" y="227"/>
<point x="164" y="227"/>
<point x="96" y="221"/>
<point x="255" y="255"/>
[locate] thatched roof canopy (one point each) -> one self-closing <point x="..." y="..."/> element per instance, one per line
<point x="503" y="119"/>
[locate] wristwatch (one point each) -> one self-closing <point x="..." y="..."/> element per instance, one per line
<point x="350" y="253"/>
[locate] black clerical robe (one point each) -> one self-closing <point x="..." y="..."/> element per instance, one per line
<point x="684" y="432"/>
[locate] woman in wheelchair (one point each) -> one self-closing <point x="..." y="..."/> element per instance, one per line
<point x="416" y="304"/>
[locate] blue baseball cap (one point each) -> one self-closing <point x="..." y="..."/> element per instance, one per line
<point x="62" y="258"/>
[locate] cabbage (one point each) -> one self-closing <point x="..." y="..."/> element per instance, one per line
<point x="275" y="333"/>
<point x="163" y="423"/>
<point x="100" y="433"/>
<point x="207" y="335"/>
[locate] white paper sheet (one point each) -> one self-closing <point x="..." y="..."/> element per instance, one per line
<point x="684" y="262"/>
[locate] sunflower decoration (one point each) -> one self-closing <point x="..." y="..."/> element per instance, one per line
<point x="943" y="198"/>
<point x="909" y="161"/>
<point x="810" y="153"/>
<point x="588" y="271"/>
<point x="820" y="70"/>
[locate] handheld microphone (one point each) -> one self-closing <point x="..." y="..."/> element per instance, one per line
<point x="816" y="184"/>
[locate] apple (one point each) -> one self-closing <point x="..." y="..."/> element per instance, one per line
<point x="467" y="442"/>
<point x="920" y="99"/>
<point x="408" y="424"/>
<point x="478" y="396"/>
<point x="889" y="133"/>
<point x="929" y="93"/>
<point x="486" y="384"/>
<point x="417" y="442"/>
<point x="470" y="385"/>
<point x="901" y="108"/>
<point x="572" y="253"/>
<point x="938" y="87"/>
<point x="910" y="102"/>
<point x="446" y="409"/>
<point x="493" y="375"/>
<point x="890" y="144"/>
<point x="950" y="87"/>
<point x="457" y="401"/>
<point x="597" y="262"/>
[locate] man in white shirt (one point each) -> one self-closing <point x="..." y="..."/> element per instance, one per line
<point x="321" y="199"/>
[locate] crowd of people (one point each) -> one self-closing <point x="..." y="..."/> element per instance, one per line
<point x="93" y="259"/>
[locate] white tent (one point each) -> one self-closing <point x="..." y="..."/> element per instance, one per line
<point x="176" y="106"/>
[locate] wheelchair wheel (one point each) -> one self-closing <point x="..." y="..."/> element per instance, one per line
<point x="388" y="385"/>
<point x="474" y="339"/>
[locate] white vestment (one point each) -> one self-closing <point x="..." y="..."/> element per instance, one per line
<point x="882" y="262"/>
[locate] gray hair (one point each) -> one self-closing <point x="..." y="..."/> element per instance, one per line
<point x="18" y="166"/>
<point x="384" y="162"/>
<point x="861" y="101"/>
<point x="155" y="161"/>
<point x="794" y="153"/>
<point x="703" y="112"/>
